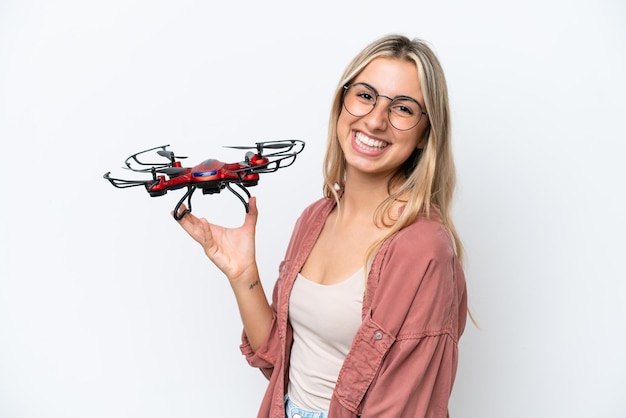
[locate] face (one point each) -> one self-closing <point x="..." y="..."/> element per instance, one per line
<point x="370" y="143"/>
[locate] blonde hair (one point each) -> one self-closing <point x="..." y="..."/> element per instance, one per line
<point x="428" y="177"/>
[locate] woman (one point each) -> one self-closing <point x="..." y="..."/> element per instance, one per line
<point x="370" y="301"/>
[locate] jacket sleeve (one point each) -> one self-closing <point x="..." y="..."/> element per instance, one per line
<point x="417" y="314"/>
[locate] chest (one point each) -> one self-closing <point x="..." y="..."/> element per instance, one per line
<point x="328" y="315"/>
<point x="339" y="252"/>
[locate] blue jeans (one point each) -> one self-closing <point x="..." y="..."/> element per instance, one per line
<point x="294" y="411"/>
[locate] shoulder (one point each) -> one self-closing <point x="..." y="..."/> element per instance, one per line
<point x="309" y="223"/>
<point x="428" y="237"/>
<point x="422" y="249"/>
<point x="316" y="211"/>
<point x="318" y="205"/>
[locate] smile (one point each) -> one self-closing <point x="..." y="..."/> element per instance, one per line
<point x="369" y="144"/>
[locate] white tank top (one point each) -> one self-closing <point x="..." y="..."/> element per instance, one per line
<point x="324" y="319"/>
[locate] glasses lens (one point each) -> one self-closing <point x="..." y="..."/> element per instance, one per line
<point x="404" y="113"/>
<point x="359" y="99"/>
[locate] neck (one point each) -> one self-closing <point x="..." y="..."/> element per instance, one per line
<point x="362" y="196"/>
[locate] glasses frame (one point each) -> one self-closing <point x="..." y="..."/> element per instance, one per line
<point x="376" y="96"/>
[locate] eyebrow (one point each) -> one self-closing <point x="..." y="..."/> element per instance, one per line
<point x="402" y="96"/>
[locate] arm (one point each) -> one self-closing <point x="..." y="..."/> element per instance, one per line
<point x="275" y="348"/>
<point x="232" y="250"/>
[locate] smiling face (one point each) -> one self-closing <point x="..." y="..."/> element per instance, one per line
<point x="371" y="145"/>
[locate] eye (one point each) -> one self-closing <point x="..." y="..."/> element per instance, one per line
<point x="405" y="107"/>
<point x="363" y="93"/>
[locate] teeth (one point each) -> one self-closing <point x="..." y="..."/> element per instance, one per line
<point x="368" y="142"/>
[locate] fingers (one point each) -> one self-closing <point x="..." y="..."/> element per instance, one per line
<point x="206" y="236"/>
<point x="176" y="215"/>
<point x="201" y="230"/>
<point x="185" y="218"/>
<point x="198" y="228"/>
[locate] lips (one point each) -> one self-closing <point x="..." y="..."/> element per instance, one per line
<point x="366" y="143"/>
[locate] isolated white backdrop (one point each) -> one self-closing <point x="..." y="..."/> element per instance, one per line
<point x="107" y="309"/>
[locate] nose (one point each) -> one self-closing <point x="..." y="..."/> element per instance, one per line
<point x="378" y="118"/>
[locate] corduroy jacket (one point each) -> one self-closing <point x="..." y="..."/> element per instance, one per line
<point x="403" y="359"/>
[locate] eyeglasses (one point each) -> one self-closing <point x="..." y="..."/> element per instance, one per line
<point x="404" y="112"/>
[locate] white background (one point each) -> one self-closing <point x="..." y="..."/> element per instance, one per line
<point x="107" y="309"/>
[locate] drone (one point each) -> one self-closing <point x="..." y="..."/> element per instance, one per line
<point x="211" y="176"/>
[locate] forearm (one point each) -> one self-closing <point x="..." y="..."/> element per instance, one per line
<point x="256" y="313"/>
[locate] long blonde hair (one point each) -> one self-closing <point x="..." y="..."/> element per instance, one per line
<point x="428" y="177"/>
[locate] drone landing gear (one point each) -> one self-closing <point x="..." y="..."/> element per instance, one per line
<point x="239" y="196"/>
<point x="178" y="214"/>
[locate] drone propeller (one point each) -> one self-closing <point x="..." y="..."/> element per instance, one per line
<point x="172" y="171"/>
<point x="169" y="155"/>
<point x="285" y="145"/>
<point x="134" y="162"/>
<point x="259" y="145"/>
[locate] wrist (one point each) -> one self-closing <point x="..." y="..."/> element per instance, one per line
<point x="246" y="281"/>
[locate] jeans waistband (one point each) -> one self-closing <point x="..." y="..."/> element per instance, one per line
<point x="294" y="411"/>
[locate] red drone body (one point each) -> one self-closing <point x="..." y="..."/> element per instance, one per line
<point x="207" y="175"/>
<point x="210" y="175"/>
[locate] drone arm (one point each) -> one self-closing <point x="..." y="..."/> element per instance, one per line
<point x="273" y="165"/>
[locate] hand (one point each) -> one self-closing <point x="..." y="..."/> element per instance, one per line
<point x="232" y="250"/>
